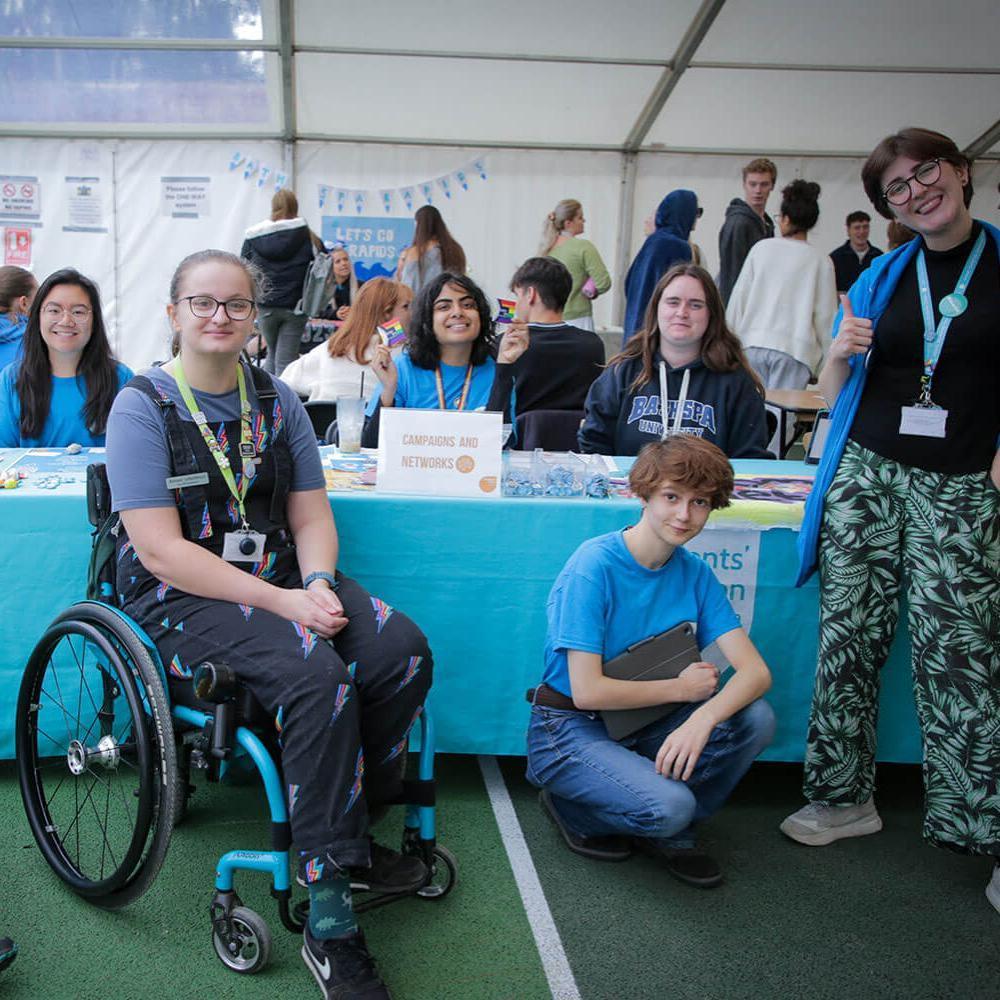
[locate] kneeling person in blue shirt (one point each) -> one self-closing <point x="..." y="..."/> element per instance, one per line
<point x="616" y="590"/>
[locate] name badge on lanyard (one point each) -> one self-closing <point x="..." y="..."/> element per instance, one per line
<point x="925" y="418"/>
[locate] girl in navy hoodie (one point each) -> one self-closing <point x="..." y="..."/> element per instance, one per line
<point x="685" y="354"/>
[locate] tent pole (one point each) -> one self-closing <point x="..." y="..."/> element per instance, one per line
<point x="626" y="213"/>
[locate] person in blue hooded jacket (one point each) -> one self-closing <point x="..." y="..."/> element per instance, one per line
<point x="17" y="291"/>
<point x="907" y="500"/>
<point x="665" y="246"/>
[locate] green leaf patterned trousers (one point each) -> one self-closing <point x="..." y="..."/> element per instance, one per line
<point x="885" y="524"/>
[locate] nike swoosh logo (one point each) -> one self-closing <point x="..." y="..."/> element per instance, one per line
<point x="324" y="967"/>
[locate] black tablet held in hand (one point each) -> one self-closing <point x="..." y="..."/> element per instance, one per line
<point x="660" y="657"/>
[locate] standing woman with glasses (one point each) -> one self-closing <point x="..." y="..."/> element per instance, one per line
<point x="909" y="488"/>
<point x="61" y="390"/>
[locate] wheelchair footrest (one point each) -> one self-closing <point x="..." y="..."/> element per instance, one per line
<point x="414" y="793"/>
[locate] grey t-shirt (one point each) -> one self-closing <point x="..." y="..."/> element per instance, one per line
<point x="138" y="454"/>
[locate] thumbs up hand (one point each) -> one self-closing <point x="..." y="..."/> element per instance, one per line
<point x="854" y="336"/>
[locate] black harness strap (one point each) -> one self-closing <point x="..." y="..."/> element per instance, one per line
<point x="267" y="394"/>
<point x="193" y="499"/>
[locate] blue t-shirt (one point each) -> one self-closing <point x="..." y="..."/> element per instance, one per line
<point x="65" y="424"/>
<point x="138" y="455"/>
<point x="417" y="387"/>
<point x="604" y="601"/>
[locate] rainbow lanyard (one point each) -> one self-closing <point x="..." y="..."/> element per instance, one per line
<point x="442" y="405"/>
<point x="247" y="450"/>
<point x="950" y="306"/>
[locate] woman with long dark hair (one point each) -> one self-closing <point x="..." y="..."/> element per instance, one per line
<point x="61" y="391"/>
<point x="434" y="250"/>
<point x="447" y="363"/>
<point x="683" y="372"/>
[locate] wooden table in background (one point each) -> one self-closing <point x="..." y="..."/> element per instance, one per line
<point x="804" y="404"/>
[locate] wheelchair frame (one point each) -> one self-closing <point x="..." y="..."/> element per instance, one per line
<point x="241" y="938"/>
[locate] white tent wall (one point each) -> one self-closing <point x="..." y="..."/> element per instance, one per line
<point x="498" y="221"/>
<point x="151" y="244"/>
<point x="52" y="161"/>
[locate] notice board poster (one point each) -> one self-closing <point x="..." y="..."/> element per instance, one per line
<point x="20" y="198"/>
<point x="17" y="247"/>
<point x="84" y="206"/>
<point x="373" y="243"/>
<point x="185" y="197"/>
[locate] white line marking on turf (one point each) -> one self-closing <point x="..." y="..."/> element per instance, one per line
<point x="543" y="927"/>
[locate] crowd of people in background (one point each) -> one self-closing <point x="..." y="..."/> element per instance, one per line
<point x="907" y="494"/>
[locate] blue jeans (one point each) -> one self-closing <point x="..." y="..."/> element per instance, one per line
<point x="600" y="786"/>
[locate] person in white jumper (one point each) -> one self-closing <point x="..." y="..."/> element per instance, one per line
<point x="785" y="298"/>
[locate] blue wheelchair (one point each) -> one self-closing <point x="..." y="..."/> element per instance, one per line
<point x="106" y="747"/>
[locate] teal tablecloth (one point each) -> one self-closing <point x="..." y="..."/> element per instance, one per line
<point x="475" y="575"/>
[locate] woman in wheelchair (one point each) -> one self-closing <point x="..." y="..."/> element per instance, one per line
<point x="229" y="553"/>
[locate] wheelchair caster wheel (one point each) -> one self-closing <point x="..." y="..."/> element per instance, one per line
<point x="250" y="949"/>
<point x="443" y="876"/>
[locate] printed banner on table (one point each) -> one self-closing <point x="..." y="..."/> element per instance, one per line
<point x="439" y="452"/>
<point x="373" y="243"/>
<point x="733" y="557"/>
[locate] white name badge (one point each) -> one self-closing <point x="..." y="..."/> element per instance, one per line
<point x="923" y="421"/>
<point x="439" y="452"/>
<point x="243" y="546"/>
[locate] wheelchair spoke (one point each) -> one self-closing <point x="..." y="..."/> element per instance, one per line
<point x="59" y="702"/>
<point x="128" y="812"/>
<point x="104" y="832"/>
<point x="51" y="739"/>
<point x="79" y="809"/>
<point x="50" y="798"/>
<point x="82" y="667"/>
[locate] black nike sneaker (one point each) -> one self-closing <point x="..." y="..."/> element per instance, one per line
<point x="343" y="967"/>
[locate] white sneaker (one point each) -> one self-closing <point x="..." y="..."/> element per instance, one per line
<point x="817" y="824"/>
<point x="993" y="889"/>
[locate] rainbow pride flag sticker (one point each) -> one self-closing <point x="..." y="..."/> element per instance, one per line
<point x="392" y="333"/>
<point x="506" y="313"/>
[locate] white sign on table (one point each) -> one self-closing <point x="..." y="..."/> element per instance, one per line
<point x="439" y="452"/>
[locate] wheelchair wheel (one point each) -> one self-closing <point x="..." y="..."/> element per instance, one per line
<point x="252" y="949"/>
<point x="443" y="876"/>
<point x="96" y="757"/>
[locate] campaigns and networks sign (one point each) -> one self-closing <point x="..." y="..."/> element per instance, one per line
<point x="373" y="243"/>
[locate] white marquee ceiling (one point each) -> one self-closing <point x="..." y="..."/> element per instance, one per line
<point x="804" y="77"/>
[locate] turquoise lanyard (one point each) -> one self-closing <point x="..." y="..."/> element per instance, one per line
<point x="950" y="306"/>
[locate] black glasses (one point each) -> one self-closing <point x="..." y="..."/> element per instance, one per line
<point x="698" y="214"/>
<point x="205" y="307"/>
<point x="900" y="192"/>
